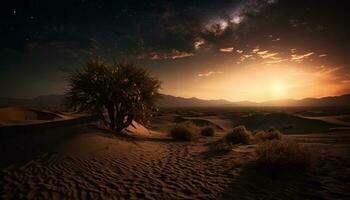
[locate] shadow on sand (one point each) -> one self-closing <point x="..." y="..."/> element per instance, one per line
<point x="253" y="183"/>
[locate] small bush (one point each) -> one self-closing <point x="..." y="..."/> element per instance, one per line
<point x="238" y="135"/>
<point x="186" y="131"/>
<point x="270" y="134"/>
<point x="219" y="148"/>
<point x="208" y="131"/>
<point x="277" y="155"/>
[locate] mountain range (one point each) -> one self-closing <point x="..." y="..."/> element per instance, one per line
<point x="172" y="101"/>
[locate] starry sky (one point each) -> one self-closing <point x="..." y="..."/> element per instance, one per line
<point x="237" y="50"/>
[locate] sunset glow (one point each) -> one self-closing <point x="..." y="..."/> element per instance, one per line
<point x="239" y="51"/>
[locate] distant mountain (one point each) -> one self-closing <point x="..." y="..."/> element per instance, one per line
<point x="172" y="101"/>
<point x="343" y="100"/>
<point x="163" y="101"/>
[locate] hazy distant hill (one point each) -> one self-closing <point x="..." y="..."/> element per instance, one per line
<point x="343" y="100"/>
<point x="172" y="101"/>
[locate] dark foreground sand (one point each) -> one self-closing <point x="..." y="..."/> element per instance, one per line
<point x="74" y="160"/>
<point x="98" y="165"/>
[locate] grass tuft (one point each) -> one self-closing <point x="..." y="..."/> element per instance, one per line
<point x="270" y="134"/>
<point x="238" y="135"/>
<point x="277" y="155"/>
<point x="185" y="131"/>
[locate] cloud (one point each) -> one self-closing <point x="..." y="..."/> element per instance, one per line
<point x="70" y="45"/>
<point x="245" y="56"/>
<point x="158" y="55"/>
<point x="216" y="26"/>
<point x="268" y="55"/>
<point x="299" y="58"/>
<point x="227" y="50"/>
<point x="322" y="55"/>
<point x="209" y="73"/>
<point x="262" y="52"/>
<point x="255" y="50"/>
<point x="198" y="43"/>
<point x="276" y="60"/>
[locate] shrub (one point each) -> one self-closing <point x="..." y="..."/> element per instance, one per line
<point x="219" y="148"/>
<point x="238" y="135"/>
<point x="276" y="155"/>
<point x="270" y="134"/>
<point x="208" y="131"/>
<point x="186" y="131"/>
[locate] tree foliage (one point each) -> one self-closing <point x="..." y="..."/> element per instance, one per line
<point x="127" y="92"/>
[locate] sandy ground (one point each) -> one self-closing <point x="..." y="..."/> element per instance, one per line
<point x="83" y="162"/>
<point x="336" y="119"/>
<point x="15" y="115"/>
<point x="97" y="165"/>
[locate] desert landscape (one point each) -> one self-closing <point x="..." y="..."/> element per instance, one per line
<point x="70" y="158"/>
<point x="173" y="100"/>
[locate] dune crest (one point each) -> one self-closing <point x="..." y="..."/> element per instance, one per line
<point x="17" y="115"/>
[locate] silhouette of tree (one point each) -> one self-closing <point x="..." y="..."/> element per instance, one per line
<point x="127" y="92"/>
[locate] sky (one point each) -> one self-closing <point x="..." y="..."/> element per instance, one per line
<point x="255" y="50"/>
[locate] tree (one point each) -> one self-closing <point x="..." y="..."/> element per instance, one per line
<point x="127" y="92"/>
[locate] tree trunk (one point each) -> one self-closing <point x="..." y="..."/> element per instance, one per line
<point x="111" y="115"/>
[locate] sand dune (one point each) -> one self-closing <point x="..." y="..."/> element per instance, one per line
<point x="18" y="115"/>
<point x="94" y="165"/>
<point x="220" y="123"/>
<point x="97" y="165"/>
<point x="138" y="130"/>
<point x="288" y="123"/>
<point x="79" y="161"/>
<point x="342" y="120"/>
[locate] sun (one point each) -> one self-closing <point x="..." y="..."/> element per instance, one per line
<point x="278" y="88"/>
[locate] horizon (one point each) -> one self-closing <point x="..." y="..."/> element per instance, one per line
<point x="237" y="51"/>
<point x="230" y="101"/>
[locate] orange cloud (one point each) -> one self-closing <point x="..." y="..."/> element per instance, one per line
<point x="263" y="52"/>
<point x="299" y="58"/>
<point x="255" y="50"/>
<point x="173" y="54"/>
<point x="209" y="73"/>
<point x="227" y="50"/>
<point x="268" y="55"/>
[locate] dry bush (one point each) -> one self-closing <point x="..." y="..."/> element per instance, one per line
<point x="207" y="131"/>
<point x="186" y="131"/>
<point x="238" y="135"/>
<point x="276" y="155"/>
<point x="270" y="134"/>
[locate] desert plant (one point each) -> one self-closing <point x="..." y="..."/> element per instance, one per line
<point x="207" y="131"/>
<point x="238" y="135"/>
<point x="185" y="131"/>
<point x="277" y="155"/>
<point x="126" y="91"/>
<point x="270" y="134"/>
